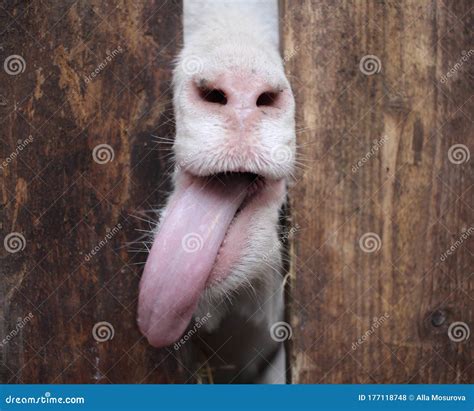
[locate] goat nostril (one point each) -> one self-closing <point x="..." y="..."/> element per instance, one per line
<point x="267" y="98"/>
<point x="213" y="96"/>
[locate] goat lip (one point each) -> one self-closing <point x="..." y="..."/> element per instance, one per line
<point x="261" y="194"/>
<point x="193" y="171"/>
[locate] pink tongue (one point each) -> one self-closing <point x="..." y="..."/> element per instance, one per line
<point x="183" y="254"/>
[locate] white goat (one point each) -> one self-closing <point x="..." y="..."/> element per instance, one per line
<point x="217" y="252"/>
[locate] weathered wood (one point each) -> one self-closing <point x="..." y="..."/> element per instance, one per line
<point x="407" y="191"/>
<point x="65" y="203"/>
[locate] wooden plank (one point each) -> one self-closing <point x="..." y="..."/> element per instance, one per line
<point x="399" y="117"/>
<point x="89" y="73"/>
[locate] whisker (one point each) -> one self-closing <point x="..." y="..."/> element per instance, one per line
<point x="142" y="219"/>
<point x="143" y="231"/>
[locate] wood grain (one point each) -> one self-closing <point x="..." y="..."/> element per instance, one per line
<point x="64" y="203"/>
<point x="400" y="123"/>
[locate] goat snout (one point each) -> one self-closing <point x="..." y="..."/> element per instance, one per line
<point x="243" y="98"/>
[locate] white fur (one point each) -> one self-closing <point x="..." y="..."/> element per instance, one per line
<point x="227" y="36"/>
<point x="224" y="36"/>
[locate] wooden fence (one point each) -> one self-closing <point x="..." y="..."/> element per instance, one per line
<point x="381" y="198"/>
<point x="97" y="77"/>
